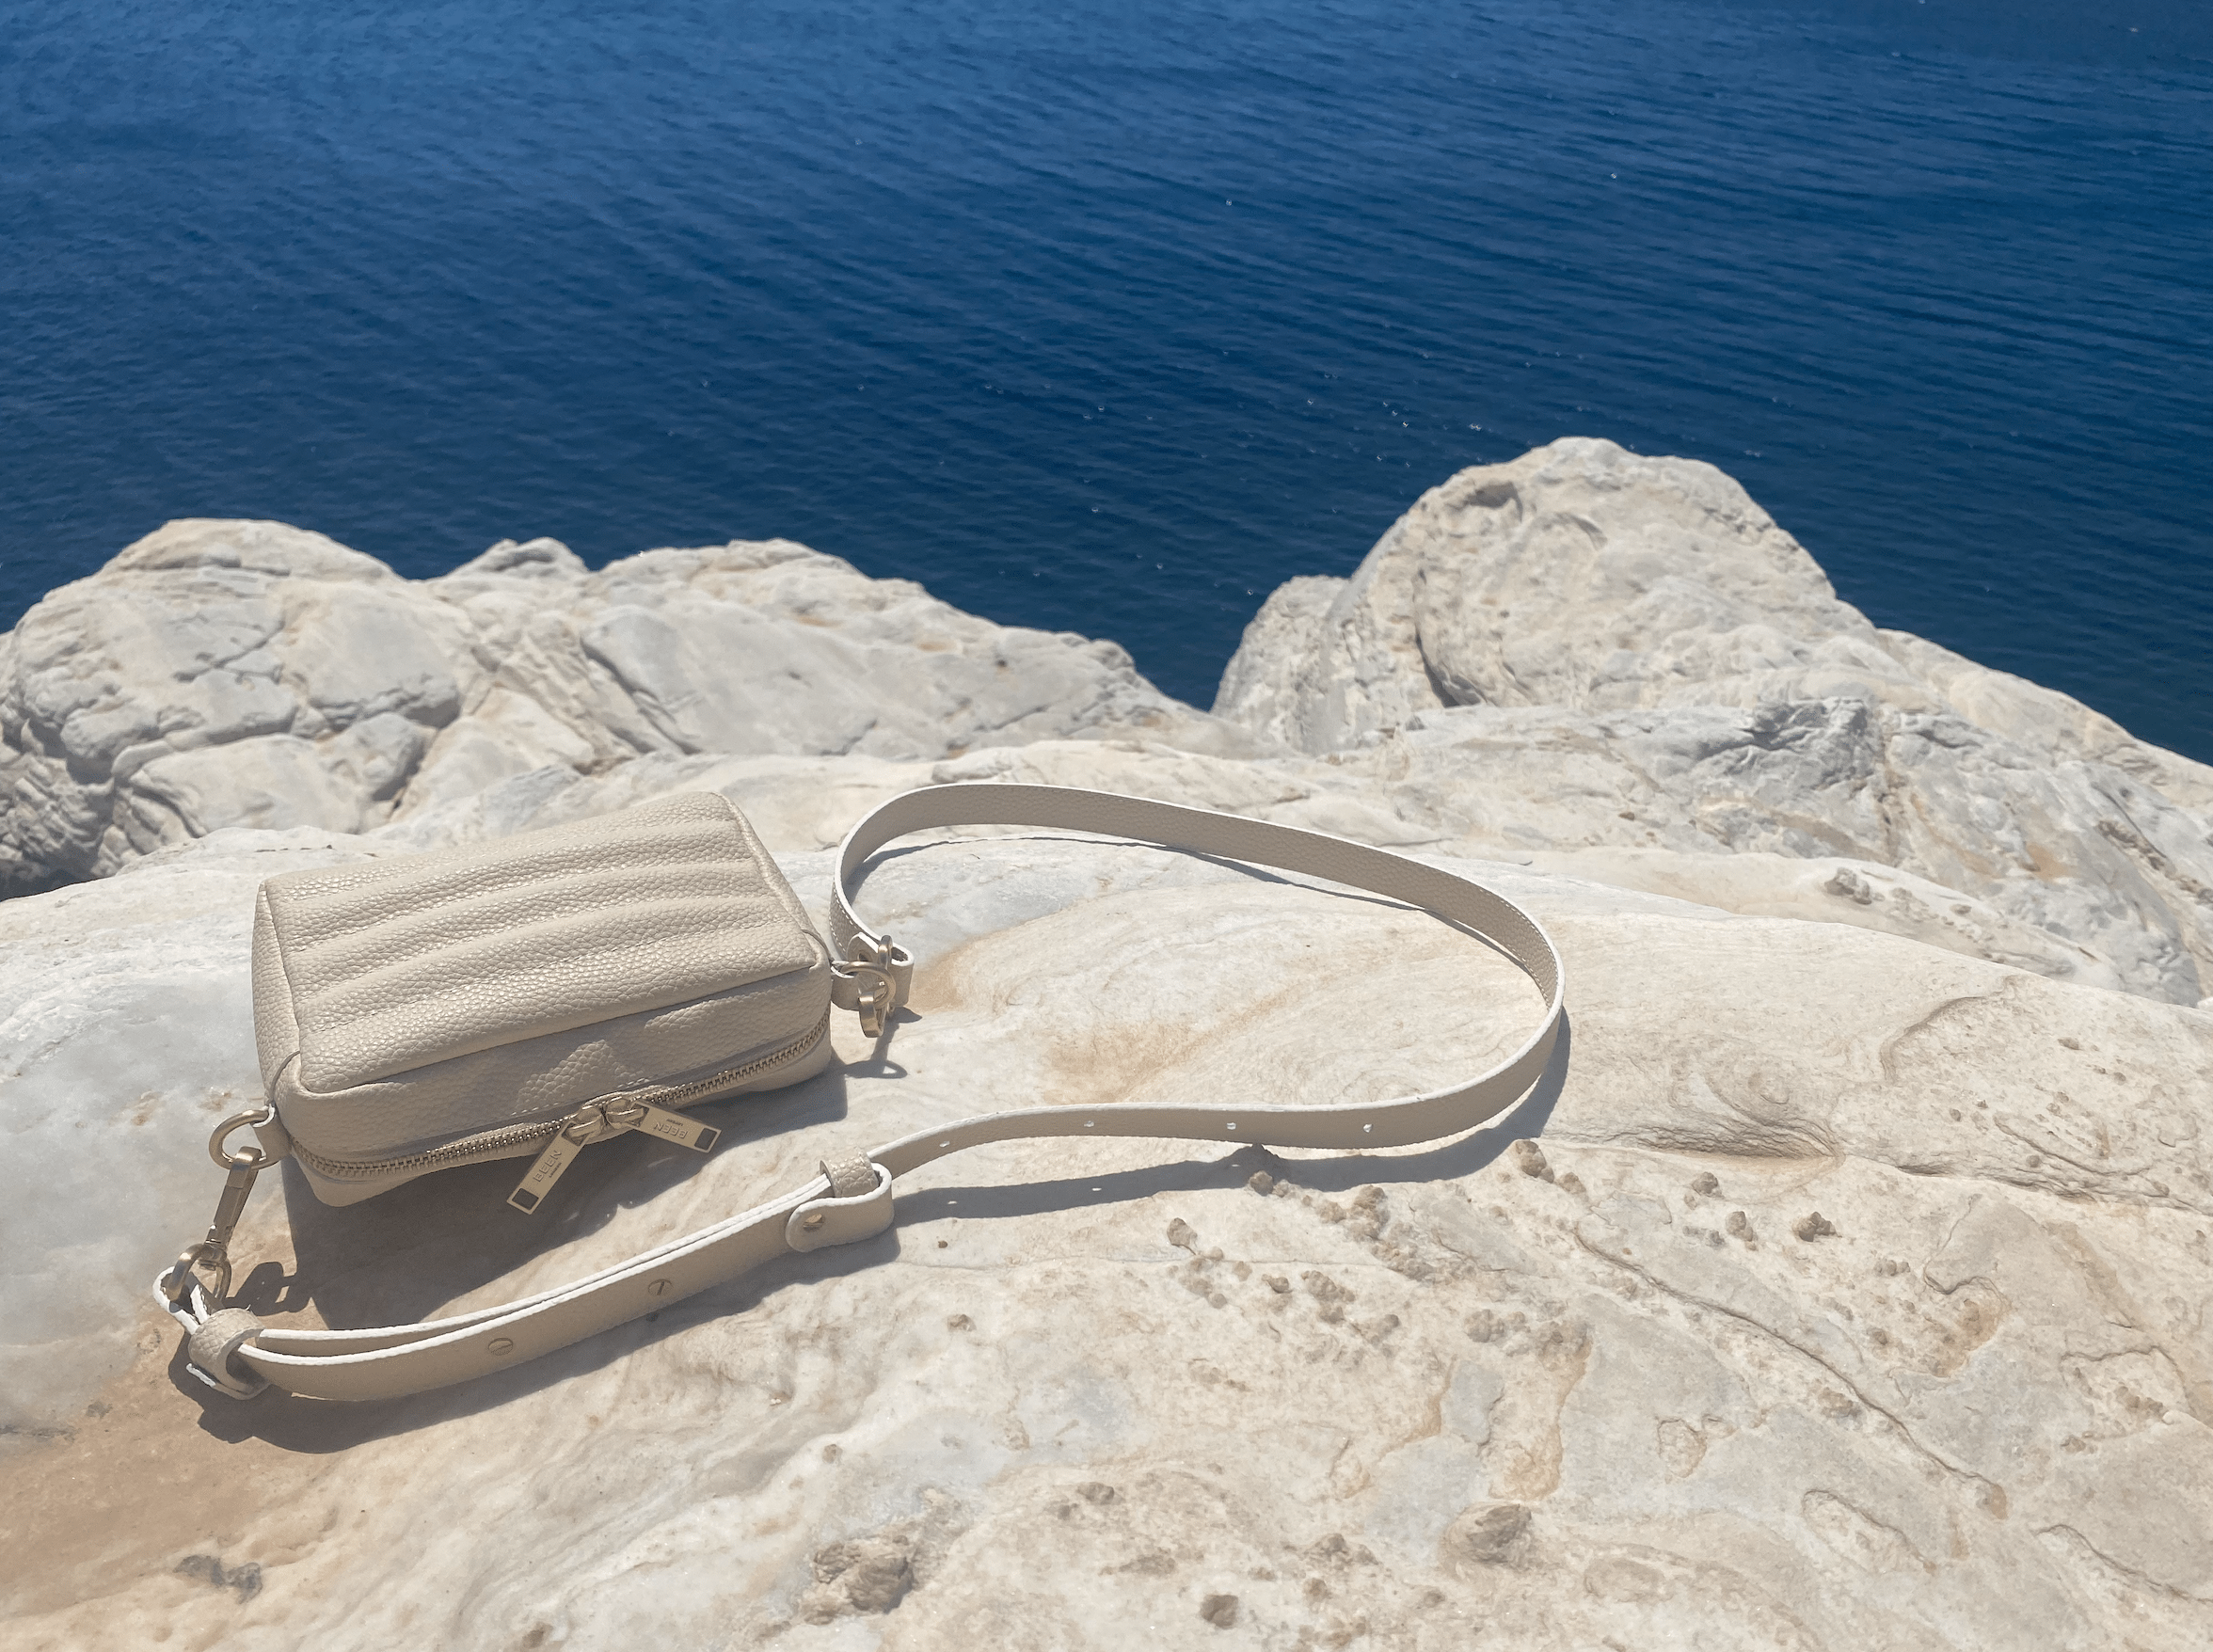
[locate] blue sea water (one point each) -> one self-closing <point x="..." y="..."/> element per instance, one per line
<point x="1110" y="317"/>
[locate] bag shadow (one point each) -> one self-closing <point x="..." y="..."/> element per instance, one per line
<point x="352" y="1249"/>
<point x="406" y="1255"/>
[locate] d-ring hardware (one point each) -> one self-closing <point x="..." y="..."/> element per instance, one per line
<point x="238" y="1161"/>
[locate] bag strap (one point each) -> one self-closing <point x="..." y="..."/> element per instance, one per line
<point x="852" y="1199"/>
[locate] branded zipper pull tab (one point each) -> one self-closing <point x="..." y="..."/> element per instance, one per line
<point x="555" y="1158"/>
<point x="597" y="1123"/>
<point x="667" y="1126"/>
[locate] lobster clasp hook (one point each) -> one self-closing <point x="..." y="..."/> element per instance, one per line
<point x="175" y="1284"/>
<point x="214" y="1252"/>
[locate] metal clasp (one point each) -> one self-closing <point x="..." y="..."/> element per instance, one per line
<point x="214" y="1252"/>
<point x="875" y="971"/>
<point x="873" y="996"/>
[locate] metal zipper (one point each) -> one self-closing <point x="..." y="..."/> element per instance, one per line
<point x="601" y="1117"/>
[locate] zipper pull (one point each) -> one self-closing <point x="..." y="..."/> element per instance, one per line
<point x="546" y="1169"/>
<point x="595" y="1122"/>
<point x="668" y="1126"/>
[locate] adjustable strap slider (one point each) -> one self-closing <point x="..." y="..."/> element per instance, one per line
<point x="859" y="1207"/>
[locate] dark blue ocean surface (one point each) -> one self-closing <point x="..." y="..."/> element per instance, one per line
<point x="1110" y="317"/>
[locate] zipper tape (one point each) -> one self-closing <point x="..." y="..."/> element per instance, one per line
<point x="502" y="1143"/>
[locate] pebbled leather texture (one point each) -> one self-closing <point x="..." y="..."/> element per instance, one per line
<point x="407" y="1003"/>
<point x="402" y="1360"/>
<point x="396" y="964"/>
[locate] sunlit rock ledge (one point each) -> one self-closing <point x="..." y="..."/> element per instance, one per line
<point x="1842" y="1287"/>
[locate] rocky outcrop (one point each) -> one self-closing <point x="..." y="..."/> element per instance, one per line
<point x="248" y="673"/>
<point x="1585" y="576"/>
<point x="224" y="673"/>
<point x="1841" y="1285"/>
<point x="1586" y="647"/>
<point x="1836" y="1292"/>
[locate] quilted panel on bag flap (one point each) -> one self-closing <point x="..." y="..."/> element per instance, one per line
<point x="396" y="964"/>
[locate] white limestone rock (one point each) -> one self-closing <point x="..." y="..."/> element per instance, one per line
<point x="1586" y="647"/>
<point x="801" y="804"/>
<point x="1852" y="1296"/>
<point x="216" y="674"/>
<point x="770" y="647"/>
<point x="2106" y="864"/>
<point x="2044" y="721"/>
<point x="248" y="673"/>
<point x="225" y="673"/>
<point x="123" y="1003"/>
<point x="1836" y="890"/>
<point x="1577" y="576"/>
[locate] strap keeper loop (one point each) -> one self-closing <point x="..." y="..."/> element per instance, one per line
<point x="209" y="1350"/>
<point x="843" y="1218"/>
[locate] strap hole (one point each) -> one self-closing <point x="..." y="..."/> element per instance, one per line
<point x="1368" y="1130"/>
<point x="1087" y="1124"/>
<point x="501" y="1345"/>
<point x="1232" y="1127"/>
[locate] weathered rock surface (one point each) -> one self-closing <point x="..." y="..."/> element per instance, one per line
<point x="1590" y="647"/>
<point x="1843" y="1286"/>
<point x="1851" y="1294"/>
<point x="802" y="802"/>
<point x="248" y="673"/>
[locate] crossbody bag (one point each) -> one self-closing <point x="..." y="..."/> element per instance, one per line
<point x="528" y="997"/>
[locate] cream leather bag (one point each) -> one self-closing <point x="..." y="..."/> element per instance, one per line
<point x="524" y="998"/>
